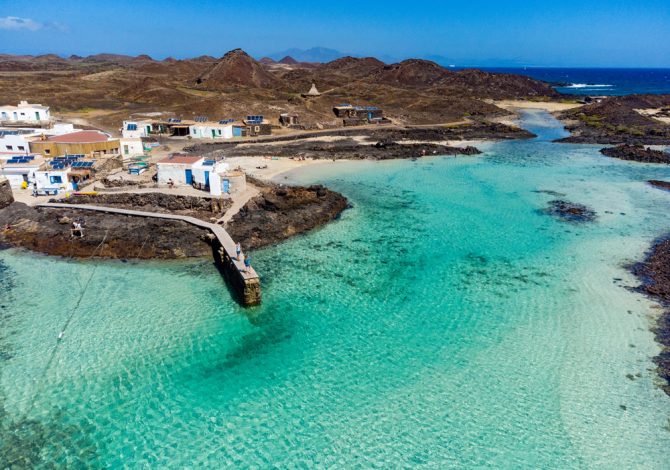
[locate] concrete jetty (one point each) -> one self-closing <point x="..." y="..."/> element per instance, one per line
<point x="245" y="282"/>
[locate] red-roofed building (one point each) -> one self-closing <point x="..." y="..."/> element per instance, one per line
<point x="177" y="168"/>
<point x="79" y="142"/>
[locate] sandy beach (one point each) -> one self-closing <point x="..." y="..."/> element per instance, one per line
<point x="549" y="106"/>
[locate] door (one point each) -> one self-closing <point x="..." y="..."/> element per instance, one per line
<point x="207" y="178"/>
<point x="189" y="177"/>
<point x="213" y="133"/>
<point x="37" y="115"/>
<point x="226" y="186"/>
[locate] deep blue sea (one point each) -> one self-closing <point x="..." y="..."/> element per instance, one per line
<point x="597" y="81"/>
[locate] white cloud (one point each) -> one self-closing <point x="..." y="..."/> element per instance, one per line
<point x="16" y="23"/>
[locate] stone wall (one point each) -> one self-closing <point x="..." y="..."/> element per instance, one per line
<point x="6" y="196"/>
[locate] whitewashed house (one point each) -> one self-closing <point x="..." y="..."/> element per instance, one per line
<point x="136" y="129"/>
<point x="51" y="182"/>
<point x="131" y="147"/>
<point x="225" y="182"/>
<point x="211" y="130"/>
<point x="14" y="142"/>
<point x="25" y="112"/>
<point x="21" y="172"/>
<point x="177" y="168"/>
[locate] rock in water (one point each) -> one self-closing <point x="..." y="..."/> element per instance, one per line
<point x="637" y="153"/>
<point x="570" y="211"/>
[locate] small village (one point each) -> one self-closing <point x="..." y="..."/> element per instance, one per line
<point x="42" y="156"/>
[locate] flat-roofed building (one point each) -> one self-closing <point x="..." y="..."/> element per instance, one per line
<point x="177" y="168"/>
<point x="25" y="112"/>
<point x="79" y="142"/>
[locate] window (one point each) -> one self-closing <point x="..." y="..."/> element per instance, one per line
<point x="9" y="147"/>
<point x="56" y="179"/>
<point x="47" y="151"/>
<point x="21" y="147"/>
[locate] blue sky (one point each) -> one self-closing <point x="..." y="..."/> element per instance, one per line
<point x="556" y="33"/>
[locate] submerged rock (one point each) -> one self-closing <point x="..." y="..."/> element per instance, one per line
<point x="570" y="211"/>
<point x="660" y="184"/>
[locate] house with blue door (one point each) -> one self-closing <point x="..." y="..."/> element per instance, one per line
<point x="178" y="169"/>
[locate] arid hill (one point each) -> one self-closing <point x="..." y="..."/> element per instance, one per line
<point x="108" y="87"/>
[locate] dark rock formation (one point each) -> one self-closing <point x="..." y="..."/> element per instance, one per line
<point x="351" y="149"/>
<point x="478" y="130"/>
<point x="615" y="120"/>
<point x="48" y="231"/>
<point x="570" y="211"/>
<point x="660" y="184"/>
<point x="280" y="212"/>
<point x="654" y="272"/>
<point x="6" y="196"/>
<point x="637" y="153"/>
<point x="275" y="215"/>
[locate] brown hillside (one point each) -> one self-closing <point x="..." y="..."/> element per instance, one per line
<point x="236" y="68"/>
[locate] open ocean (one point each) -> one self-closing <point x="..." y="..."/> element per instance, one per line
<point x="445" y="321"/>
<point x="598" y="81"/>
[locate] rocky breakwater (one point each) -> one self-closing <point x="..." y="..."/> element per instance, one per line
<point x="6" y="196"/>
<point x="275" y="215"/>
<point x="654" y="272"/>
<point x="280" y="212"/>
<point x="637" y="153"/>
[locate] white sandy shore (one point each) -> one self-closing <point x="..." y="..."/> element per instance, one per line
<point x="549" y="106"/>
<point x="250" y="165"/>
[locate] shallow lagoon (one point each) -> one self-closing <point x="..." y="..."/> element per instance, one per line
<point x="443" y="321"/>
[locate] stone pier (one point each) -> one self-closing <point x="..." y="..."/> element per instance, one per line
<point x="244" y="282"/>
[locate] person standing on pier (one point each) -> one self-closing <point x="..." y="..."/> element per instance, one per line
<point x="247" y="264"/>
<point x="238" y="250"/>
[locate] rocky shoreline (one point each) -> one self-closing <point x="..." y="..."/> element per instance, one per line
<point x="618" y="120"/>
<point x="637" y="153"/>
<point x="654" y="272"/>
<point x="380" y="144"/>
<point x="276" y="214"/>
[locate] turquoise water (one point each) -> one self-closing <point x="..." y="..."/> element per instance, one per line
<point x="443" y="321"/>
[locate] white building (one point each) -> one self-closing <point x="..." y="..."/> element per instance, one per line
<point x="25" y="112"/>
<point x="225" y="182"/>
<point x="21" y="174"/>
<point x="211" y="130"/>
<point x="51" y="182"/>
<point x="136" y="129"/>
<point x="16" y="141"/>
<point x="177" y="168"/>
<point x="131" y="147"/>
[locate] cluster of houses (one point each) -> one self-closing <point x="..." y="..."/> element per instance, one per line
<point x="49" y="157"/>
<point x="200" y="127"/>
<point x="353" y="115"/>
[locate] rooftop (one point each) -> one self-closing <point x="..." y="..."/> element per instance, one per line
<point x="180" y="159"/>
<point x="25" y="104"/>
<point x="80" y="137"/>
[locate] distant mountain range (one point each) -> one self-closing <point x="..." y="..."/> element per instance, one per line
<point x="324" y="54"/>
<point x="315" y="54"/>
